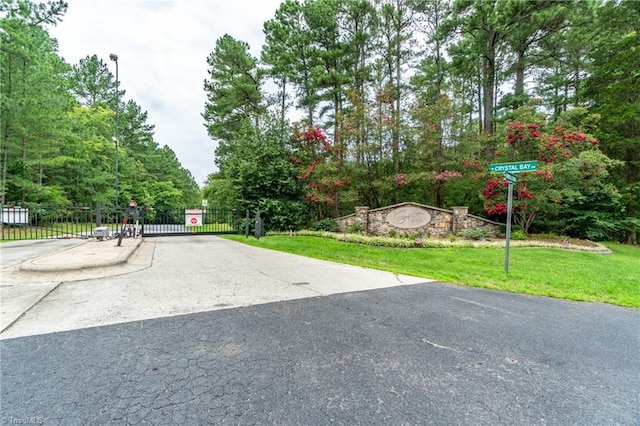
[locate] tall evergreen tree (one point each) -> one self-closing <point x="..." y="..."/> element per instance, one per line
<point x="93" y="83"/>
<point x="614" y="91"/>
<point x="33" y="101"/>
<point x="479" y="22"/>
<point x="534" y="21"/>
<point x="288" y="52"/>
<point x="234" y="90"/>
<point x="397" y="39"/>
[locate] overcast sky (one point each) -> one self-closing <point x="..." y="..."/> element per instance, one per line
<point x="162" y="46"/>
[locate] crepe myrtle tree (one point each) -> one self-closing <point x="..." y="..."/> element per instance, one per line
<point x="319" y="169"/>
<point x="569" y="192"/>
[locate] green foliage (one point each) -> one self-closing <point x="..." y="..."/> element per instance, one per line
<point x="257" y="174"/>
<point x="282" y="215"/>
<point x="477" y="233"/>
<point x="57" y="149"/>
<point x="219" y="191"/>
<point x="571" y="186"/>
<point x="518" y="234"/>
<point x="611" y="88"/>
<point x="355" y="228"/>
<point x="92" y="84"/>
<point x="234" y="97"/>
<point x="288" y="50"/>
<point x="32" y="108"/>
<point x="396" y="125"/>
<point x="328" y="225"/>
<point x="416" y="236"/>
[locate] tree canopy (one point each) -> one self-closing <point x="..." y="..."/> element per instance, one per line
<point x="412" y="100"/>
<point x="58" y="125"/>
<point x="400" y="100"/>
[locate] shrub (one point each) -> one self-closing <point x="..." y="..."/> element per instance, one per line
<point x="477" y="233"/>
<point x="281" y="215"/>
<point x="412" y="235"/>
<point x="355" y="228"/>
<point x="327" y="224"/>
<point x="433" y="243"/>
<point x="518" y="234"/>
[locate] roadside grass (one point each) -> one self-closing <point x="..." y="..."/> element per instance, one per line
<point x="211" y="227"/>
<point x="583" y="276"/>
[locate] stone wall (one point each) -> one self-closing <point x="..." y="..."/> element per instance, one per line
<point x="414" y="219"/>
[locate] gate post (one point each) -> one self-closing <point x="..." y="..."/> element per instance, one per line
<point x="259" y="226"/>
<point x="142" y="211"/>
<point x="98" y="215"/>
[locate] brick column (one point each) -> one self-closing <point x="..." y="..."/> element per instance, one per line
<point x="459" y="222"/>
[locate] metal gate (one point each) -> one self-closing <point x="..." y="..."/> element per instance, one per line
<point x="29" y="221"/>
<point x="37" y="221"/>
<point x="185" y="221"/>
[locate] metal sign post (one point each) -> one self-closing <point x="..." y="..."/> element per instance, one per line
<point x="510" y="177"/>
<point x="508" y="236"/>
<point x="509" y="170"/>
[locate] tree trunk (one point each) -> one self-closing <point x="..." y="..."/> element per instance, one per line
<point x="439" y="194"/>
<point x="518" y="89"/>
<point x="480" y="115"/>
<point x="489" y="79"/>
<point x="5" y="158"/>
<point x="396" y="121"/>
<point x="283" y="101"/>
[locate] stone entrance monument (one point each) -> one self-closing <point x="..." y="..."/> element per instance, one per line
<point x="412" y="218"/>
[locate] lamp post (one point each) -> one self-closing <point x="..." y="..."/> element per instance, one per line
<point x="114" y="58"/>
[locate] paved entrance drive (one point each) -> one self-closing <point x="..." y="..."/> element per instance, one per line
<point x="221" y="333"/>
<point x="180" y="275"/>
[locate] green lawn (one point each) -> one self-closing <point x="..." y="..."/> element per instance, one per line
<point x="211" y="227"/>
<point x="609" y="278"/>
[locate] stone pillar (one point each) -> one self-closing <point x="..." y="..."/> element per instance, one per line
<point x="459" y="222"/>
<point x="362" y="217"/>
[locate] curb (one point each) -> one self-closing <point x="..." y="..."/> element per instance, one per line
<point x="46" y="263"/>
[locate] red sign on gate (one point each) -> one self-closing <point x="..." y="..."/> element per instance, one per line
<point x="193" y="217"/>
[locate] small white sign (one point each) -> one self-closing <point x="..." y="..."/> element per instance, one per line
<point x="15" y="216"/>
<point x="205" y="203"/>
<point x="193" y="217"/>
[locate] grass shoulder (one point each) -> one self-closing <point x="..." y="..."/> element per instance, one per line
<point x="554" y="270"/>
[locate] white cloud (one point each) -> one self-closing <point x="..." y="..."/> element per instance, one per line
<point x="162" y="48"/>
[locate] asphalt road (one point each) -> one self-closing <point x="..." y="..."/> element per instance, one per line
<point x="427" y="353"/>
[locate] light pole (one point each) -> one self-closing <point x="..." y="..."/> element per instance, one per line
<point x="114" y="58"/>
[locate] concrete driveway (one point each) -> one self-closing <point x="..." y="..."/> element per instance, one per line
<point x="175" y="276"/>
<point x="200" y="330"/>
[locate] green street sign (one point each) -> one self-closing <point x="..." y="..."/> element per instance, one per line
<point x="510" y="177"/>
<point x="523" y="166"/>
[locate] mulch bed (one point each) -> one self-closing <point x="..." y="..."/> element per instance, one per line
<point x="562" y="240"/>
